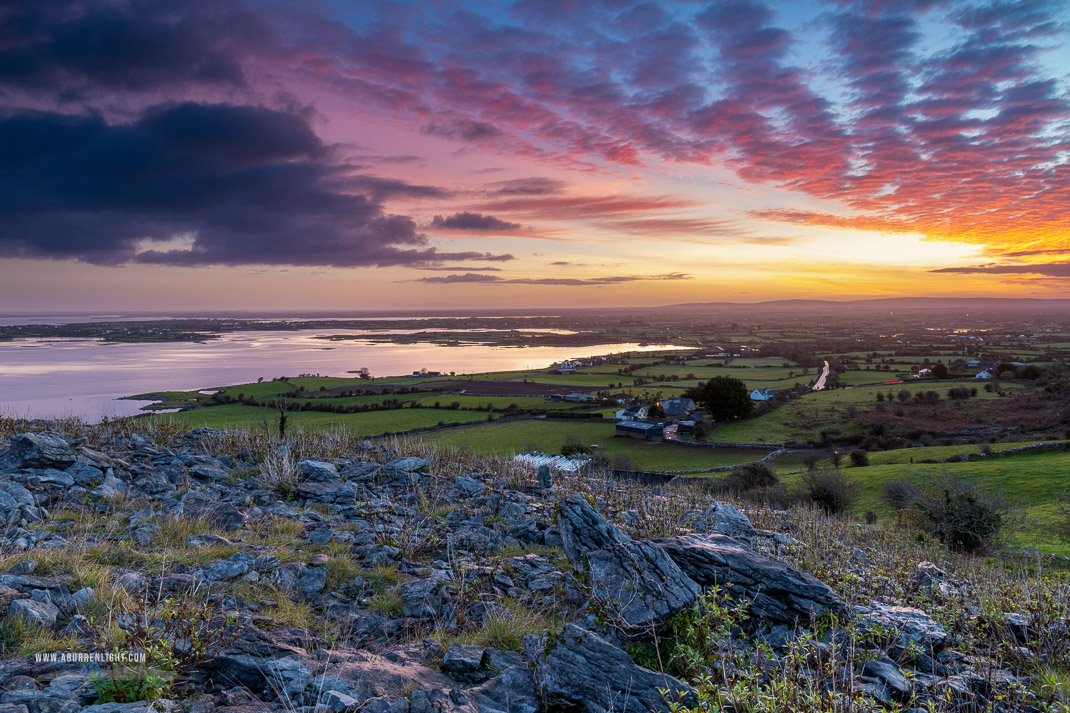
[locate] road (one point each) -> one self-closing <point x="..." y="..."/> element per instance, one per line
<point x="820" y="383"/>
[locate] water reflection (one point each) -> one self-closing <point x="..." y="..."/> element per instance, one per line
<point x="42" y="379"/>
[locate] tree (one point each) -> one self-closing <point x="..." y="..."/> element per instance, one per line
<point x="656" y="411"/>
<point x="940" y="370"/>
<point x="725" y="397"/>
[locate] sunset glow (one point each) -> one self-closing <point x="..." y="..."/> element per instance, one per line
<point x="342" y="155"/>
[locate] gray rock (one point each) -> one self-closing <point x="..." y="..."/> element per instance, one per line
<point x="579" y="669"/>
<point x="469" y="486"/>
<point x="546" y="478"/>
<point x="887" y="672"/>
<point x="775" y="589"/>
<point x="81" y="599"/>
<point x="312" y="580"/>
<point x="110" y="488"/>
<point x="207" y="540"/>
<point x="231" y="568"/>
<point x="408" y="465"/>
<point x="911" y="627"/>
<point x="725" y="519"/>
<point x="635" y="580"/>
<point x="463" y="659"/>
<point x="39" y="450"/>
<point x="17" y="496"/>
<point x="145" y="534"/>
<point x="41" y="613"/>
<point x="320" y="537"/>
<point x="337" y="702"/>
<point x="511" y="691"/>
<point x="318" y="471"/>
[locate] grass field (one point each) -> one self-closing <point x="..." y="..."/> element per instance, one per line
<point x="370" y="423"/>
<point x="507" y="439"/>
<point x="1035" y="480"/>
<point x="804" y="417"/>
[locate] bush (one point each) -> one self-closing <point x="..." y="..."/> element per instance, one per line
<point x="830" y="489"/>
<point x="859" y="458"/>
<point x="750" y="476"/>
<point x="574" y="446"/>
<point x="953" y="509"/>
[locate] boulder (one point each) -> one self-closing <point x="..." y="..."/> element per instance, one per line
<point x="318" y="471"/>
<point x="578" y="669"/>
<point x="463" y="659"/>
<point x="725" y="519"/>
<point x="910" y="627"/>
<point x="637" y="581"/>
<point x="43" y="614"/>
<point x="39" y="450"/>
<point x="775" y="590"/>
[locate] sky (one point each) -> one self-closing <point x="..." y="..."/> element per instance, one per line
<point x="315" y="154"/>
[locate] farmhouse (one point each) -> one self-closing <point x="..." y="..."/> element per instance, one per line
<point x="581" y="398"/>
<point x="762" y="393"/>
<point x="986" y="374"/>
<point x="642" y="431"/>
<point x="677" y="407"/>
<point x="632" y="413"/>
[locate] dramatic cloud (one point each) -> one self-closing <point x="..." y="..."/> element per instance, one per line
<point x="74" y="49"/>
<point x="229" y="184"/>
<point x="473" y="222"/>
<point x="944" y="119"/>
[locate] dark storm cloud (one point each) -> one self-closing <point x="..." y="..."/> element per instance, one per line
<point x="126" y="45"/>
<point x="473" y="222"/>
<point x="237" y="185"/>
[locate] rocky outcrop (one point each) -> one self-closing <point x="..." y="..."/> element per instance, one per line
<point x="773" y="589"/>
<point x="634" y="581"/>
<point x="578" y="669"/>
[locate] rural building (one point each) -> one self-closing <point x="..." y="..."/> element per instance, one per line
<point x="677" y="407"/>
<point x="986" y="374"/>
<point x="632" y="413"/>
<point x="642" y="431"/>
<point x="581" y="398"/>
<point x="925" y="373"/>
<point x="762" y="394"/>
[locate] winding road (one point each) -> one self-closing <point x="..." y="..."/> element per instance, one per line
<point x="820" y="383"/>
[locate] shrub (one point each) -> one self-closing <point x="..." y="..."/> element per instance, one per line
<point x="574" y="446"/>
<point x="859" y="458"/>
<point x="750" y="476"/>
<point x="955" y="510"/>
<point x="830" y="489"/>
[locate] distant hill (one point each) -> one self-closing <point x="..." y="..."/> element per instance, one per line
<point x="970" y="305"/>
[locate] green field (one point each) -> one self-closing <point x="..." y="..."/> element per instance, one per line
<point x="1034" y="480"/>
<point x="803" y="418"/>
<point x="507" y="439"/>
<point x="369" y="423"/>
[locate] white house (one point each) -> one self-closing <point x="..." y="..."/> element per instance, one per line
<point x="632" y="413"/>
<point x="762" y="394"/>
<point x="986" y="374"/>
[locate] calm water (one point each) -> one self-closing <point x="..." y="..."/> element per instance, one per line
<point x="42" y="379"/>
